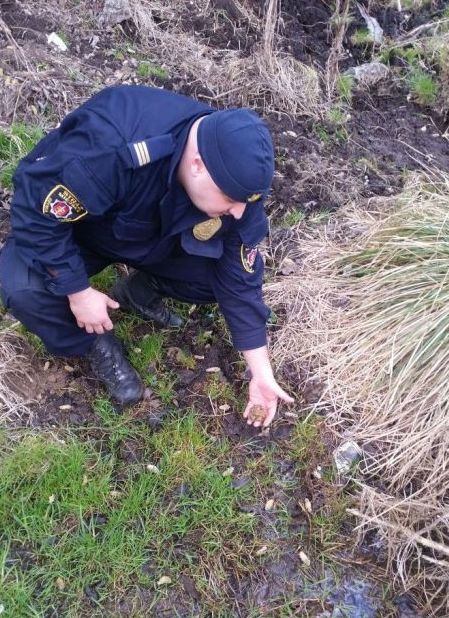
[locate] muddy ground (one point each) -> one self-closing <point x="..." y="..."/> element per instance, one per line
<point x="387" y="135"/>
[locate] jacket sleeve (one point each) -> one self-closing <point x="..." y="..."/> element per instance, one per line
<point x="73" y="173"/>
<point x="237" y="284"/>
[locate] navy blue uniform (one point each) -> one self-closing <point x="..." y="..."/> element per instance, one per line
<point x="102" y="188"/>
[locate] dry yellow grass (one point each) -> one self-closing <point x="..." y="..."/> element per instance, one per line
<point x="368" y="316"/>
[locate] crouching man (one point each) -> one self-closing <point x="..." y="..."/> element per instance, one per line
<point x="164" y="184"/>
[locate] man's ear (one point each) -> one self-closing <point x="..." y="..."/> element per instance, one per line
<point x="197" y="166"/>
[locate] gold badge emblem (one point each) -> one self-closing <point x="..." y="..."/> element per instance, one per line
<point x="206" y="229"/>
<point x="254" y="197"/>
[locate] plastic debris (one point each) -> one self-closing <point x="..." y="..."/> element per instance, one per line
<point x="56" y="41"/>
<point x="346" y="455"/>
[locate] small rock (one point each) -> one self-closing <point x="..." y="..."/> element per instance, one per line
<point x="164" y="581"/>
<point x="213" y="370"/>
<point x="290" y="133"/>
<point x="304" y="558"/>
<point x="66" y="406"/>
<point x="269" y="504"/>
<point x="369" y="74"/>
<point x="308" y="505"/>
<point x="198" y="356"/>
<point x="114" y="12"/>
<point x="69" y="369"/>
<point x="47" y="365"/>
<point x="60" y="583"/>
<point x="152" y="468"/>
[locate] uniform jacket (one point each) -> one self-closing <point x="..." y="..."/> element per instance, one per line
<point x="105" y="179"/>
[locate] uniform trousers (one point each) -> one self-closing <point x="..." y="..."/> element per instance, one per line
<point x="26" y="297"/>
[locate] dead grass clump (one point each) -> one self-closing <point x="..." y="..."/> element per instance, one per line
<point x="379" y="342"/>
<point x="16" y="378"/>
<point x="266" y="77"/>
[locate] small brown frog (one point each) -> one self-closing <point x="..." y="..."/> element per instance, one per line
<point x="257" y="413"/>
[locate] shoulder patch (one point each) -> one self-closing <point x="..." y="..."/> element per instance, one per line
<point x="62" y="205"/>
<point x="248" y="256"/>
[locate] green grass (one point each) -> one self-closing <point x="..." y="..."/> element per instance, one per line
<point x="345" y="85"/>
<point x="423" y="86"/>
<point x="105" y="279"/>
<point x="63" y="509"/>
<point x="15" y="143"/>
<point x="361" y="36"/>
<point x="146" y="69"/>
<point x="293" y="217"/>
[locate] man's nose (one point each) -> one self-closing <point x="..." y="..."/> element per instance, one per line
<point x="237" y="210"/>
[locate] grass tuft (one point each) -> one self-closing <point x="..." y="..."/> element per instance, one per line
<point x="15" y="144"/>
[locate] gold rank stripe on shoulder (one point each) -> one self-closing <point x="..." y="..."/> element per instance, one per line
<point x="143" y="155"/>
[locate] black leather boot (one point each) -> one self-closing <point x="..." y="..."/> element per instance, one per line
<point x="138" y="293"/>
<point x="110" y="365"/>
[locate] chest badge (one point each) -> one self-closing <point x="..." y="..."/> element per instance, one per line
<point x="206" y="229"/>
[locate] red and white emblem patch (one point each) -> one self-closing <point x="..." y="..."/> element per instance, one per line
<point x="248" y="256"/>
<point x="59" y="209"/>
<point x="61" y="204"/>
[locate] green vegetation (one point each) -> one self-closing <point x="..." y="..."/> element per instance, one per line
<point x="334" y="128"/>
<point x="105" y="279"/>
<point x="423" y="86"/>
<point x="293" y="217"/>
<point x="69" y="524"/>
<point x="345" y="85"/>
<point x="15" y="143"/>
<point x="146" y="69"/>
<point x="361" y="36"/>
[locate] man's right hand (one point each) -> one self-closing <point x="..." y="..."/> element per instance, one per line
<point x="90" y="308"/>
